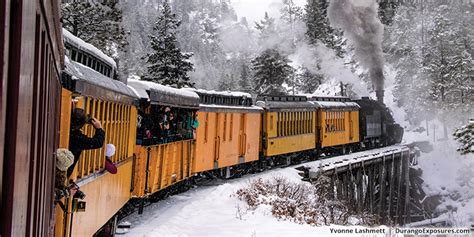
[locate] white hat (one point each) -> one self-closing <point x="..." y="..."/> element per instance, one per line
<point x="109" y="150"/>
<point x="64" y="159"/>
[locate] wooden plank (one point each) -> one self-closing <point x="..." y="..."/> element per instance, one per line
<point x="360" y="189"/>
<point x="382" y="182"/>
<point x="406" y="204"/>
<point x="391" y="188"/>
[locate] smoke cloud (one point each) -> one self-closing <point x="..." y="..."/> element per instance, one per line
<point x="358" y="19"/>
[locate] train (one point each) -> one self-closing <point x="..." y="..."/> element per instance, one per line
<point x="164" y="136"/>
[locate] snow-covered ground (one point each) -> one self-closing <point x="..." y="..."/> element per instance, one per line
<point x="447" y="173"/>
<point x="215" y="211"/>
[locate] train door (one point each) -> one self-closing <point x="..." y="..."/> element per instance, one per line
<point x="242" y="135"/>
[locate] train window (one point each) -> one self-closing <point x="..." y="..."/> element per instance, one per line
<point x="84" y="59"/>
<point x="79" y="57"/>
<point x="305" y="122"/>
<point x="341" y="118"/>
<point x="308" y="126"/>
<point x="89" y="62"/>
<point x="297" y="121"/>
<point x="288" y="123"/>
<point x="73" y="54"/>
<point x="340" y="121"/>
<point x="327" y="121"/>
<point x="300" y="120"/>
<point x="348" y="119"/>
<point x="271" y="122"/>
<point x="280" y="127"/>
<point x="295" y="128"/>
<point x="308" y="122"/>
<point x="298" y="128"/>
<point x="293" y="125"/>
<point x="93" y="64"/>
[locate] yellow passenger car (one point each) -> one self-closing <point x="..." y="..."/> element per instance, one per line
<point x="165" y="148"/>
<point x="338" y="122"/>
<point x="112" y="103"/>
<point x="228" y="133"/>
<point x="289" y="124"/>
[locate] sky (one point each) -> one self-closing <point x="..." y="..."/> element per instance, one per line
<point x="254" y="10"/>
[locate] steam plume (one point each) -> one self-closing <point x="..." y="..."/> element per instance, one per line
<point x="358" y="19"/>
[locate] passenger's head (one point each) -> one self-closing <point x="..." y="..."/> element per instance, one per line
<point x="78" y="118"/>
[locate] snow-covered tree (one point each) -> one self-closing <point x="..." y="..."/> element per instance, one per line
<point x="98" y="23"/>
<point x="387" y="9"/>
<point x="318" y="28"/>
<point x="465" y="136"/>
<point x="266" y="27"/>
<point x="291" y="12"/>
<point x="244" y="80"/>
<point x="307" y="81"/>
<point x="167" y="65"/>
<point x="270" y="71"/>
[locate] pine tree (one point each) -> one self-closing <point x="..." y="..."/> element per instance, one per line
<point x="266" y="27"/>
<point x="167" y="65"/>
<point x="99" y="24"/>
<point x="318" y="28"/>
<point x="270" y="71"/>
<point x="465" y="136"/>
<point x="308" y="82"/>
<point x="290" y="12"/>
<point x="387" y="10"/>
<point x="244" y="80"/>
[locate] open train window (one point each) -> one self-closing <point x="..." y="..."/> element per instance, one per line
<point x="84" y="59"/>
<point x="73" y="54"/>
<point x="79" y="57"/>
<point x="271" y="122"/>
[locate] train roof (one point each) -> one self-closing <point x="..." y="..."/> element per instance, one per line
<point x="333" y="102"/>
<point x="284" y="103"/>
<point x="86" y="81"/>
<point x="164" y="95"/>
<point x="225" y="101"/>
<point x="225" y="98"/>
<point x="89" y="48"/>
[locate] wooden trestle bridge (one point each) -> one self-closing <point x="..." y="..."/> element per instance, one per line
<point x="377" y="181"/>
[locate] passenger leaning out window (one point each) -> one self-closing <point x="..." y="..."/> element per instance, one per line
<point x="78" y="141"/>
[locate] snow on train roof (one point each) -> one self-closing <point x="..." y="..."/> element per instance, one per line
<point x="335" y="104"/>
<point x="82" y="45"/>
<point x="223" y="93"/>
<point x="159" y="93"/>
<point x="332" y="102"/>
<point x="83" y="73"/>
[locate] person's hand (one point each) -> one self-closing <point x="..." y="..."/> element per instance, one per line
<point x="96" y="123"/>
<point x="73" y="191"/>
